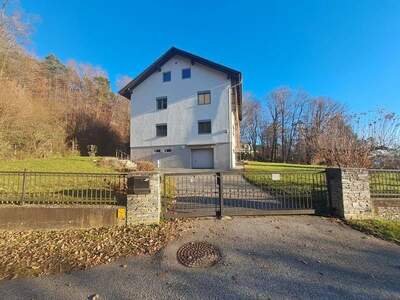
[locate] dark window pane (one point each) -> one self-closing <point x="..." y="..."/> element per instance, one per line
<point x="167" y="76"/>
<point x="161" y="130"/>
<point x="204" y="97"/>
<point x="186" y="73"/>
<point x="204" y="127"/>
<point x="162" y="103"/>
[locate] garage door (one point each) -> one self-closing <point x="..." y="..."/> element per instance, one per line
<point x="202" y="158"/>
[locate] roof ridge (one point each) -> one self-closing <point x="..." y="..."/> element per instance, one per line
<point x="172" y="51"/>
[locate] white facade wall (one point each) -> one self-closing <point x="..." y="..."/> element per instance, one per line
<point x="183" y="112"/>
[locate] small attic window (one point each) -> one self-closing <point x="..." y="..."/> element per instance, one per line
<point x="166" y="76"/>
<point x="186" y="73"/>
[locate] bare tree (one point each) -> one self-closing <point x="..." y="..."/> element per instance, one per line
<point x="285" y="109"/>
<point x="122" y="81"/>
<point x="380" y="126"/>
<point x="54" y="107"/>
<point x="315" y="122"/>
<point x="252" y="122"/>
<point x="273" y="109"/>
<point x="15" y="29"/>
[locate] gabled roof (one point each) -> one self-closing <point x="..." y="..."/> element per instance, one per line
<point x="126" y="91"/>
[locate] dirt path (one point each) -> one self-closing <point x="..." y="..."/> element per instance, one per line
<point x="267" y="257"/>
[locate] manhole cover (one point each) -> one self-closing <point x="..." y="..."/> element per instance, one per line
<point x="198" y="254"/>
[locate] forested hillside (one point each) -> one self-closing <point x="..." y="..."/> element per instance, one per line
<point x="47" y="107"/>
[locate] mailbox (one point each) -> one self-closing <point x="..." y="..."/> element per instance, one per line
<point x="139" y="185"/>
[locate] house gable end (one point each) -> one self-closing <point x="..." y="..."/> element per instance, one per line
<point x="233" y="75"/>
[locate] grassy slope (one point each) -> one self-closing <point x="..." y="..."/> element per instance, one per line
<point x="384" y="229"/>
<point x="297" y="183"/>
<point x="58" y="188"/>
<point x="56" y="164"/>
<point x="264" y="166"/>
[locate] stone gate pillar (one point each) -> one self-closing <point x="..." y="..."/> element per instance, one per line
<point x="143" y="207"/>
<point x="349" y="193"/>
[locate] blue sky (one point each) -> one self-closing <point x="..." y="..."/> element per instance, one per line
<point x="348" y="50"/>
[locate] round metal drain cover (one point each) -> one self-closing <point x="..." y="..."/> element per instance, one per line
<point x="198" y="254"/>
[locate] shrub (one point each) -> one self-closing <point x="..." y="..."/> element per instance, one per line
<point x="144" y="165"/>
<point x="168" y="193"/>
<point x="169" y="188"/>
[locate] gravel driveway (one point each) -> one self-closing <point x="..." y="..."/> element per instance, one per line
<point x="265" y="257"/>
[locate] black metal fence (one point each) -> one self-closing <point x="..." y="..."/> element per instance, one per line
<point x="244" y="193"/>
<point x="121" y="155"/>
<point x="385" y="183"/>
<point x="61" y="188"/>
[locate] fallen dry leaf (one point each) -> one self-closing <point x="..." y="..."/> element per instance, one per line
<point x="37" y="253"/>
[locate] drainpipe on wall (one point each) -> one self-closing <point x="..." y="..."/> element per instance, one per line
<point x="230" y="127"/>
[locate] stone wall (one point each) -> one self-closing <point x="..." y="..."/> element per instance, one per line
<point x="349" y="193"/>
<point x="144" y="208"/>
<point x="27" y="217"/>
<point x="387" y="208"/>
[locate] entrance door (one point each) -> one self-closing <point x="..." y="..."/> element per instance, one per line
<point x="203" y="158"/>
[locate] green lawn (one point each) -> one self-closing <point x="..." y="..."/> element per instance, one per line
<point x="59" y="188"/>
<point x="385" y="184"/>
<point x="279" y="167"/>
<point x="293" y="178"/>
<point x="56" y="164"/>
<point x="384" y="229"/>
<point x="296" y="183"/>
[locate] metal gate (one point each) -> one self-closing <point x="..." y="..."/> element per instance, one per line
<point x="243" y="193"/>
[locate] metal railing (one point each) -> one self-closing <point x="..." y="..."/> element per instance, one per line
<point x="195" y="193"/>
<point x="248" y="192"/>
<point x="384" y="183"/>
<point x="122" y="155"/>
<point x="61" y="188"/>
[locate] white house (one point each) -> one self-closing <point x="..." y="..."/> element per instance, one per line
<point x="185" y="112"/>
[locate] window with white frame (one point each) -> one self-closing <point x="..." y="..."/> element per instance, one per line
<point x="204" y="97"/>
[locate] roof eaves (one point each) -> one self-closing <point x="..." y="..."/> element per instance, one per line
<point x="127" y="90"/>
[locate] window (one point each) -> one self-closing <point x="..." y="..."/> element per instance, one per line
<point x="186" y="73"/>
<point x="204" y="97"/>
<point x="204" y="127"/>
<point x="161" y="130"/>
<point x="167" y="150"/>
<point x="166" y="76"/>
<point x="162" y="103"/>
<point x="157" y="150"/>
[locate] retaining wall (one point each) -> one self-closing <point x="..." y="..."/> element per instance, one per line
<point x="387" y="208"/>
<point x="16" y="217"/>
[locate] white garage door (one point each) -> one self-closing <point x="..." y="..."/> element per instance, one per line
<point x="202" y="158"/>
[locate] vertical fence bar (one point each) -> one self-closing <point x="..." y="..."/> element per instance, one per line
<point x="220" y="182"/>
<point x="23" y="187"/>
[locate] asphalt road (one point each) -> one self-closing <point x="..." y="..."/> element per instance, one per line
<point x="288" y="257"/>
